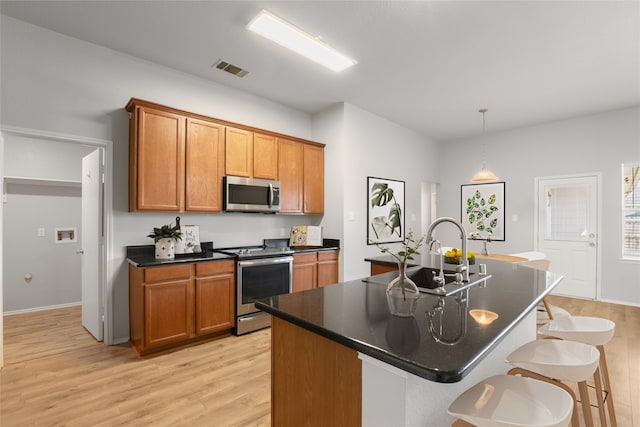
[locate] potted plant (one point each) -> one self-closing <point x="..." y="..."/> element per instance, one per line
<point x="402" y="292"/>
<point x="165" y="239"/>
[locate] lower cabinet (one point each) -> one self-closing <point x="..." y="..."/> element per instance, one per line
<point x="173" y="305"/>
<point x="314" y="269"/>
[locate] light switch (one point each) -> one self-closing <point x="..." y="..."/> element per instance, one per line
<point x="514" y="217"/>
<point x="40" y="231"/>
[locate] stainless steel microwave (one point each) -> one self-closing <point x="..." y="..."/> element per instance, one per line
<point x="251" y="194"/>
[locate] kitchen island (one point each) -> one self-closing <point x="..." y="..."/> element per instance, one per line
<point x="339" y="356"/>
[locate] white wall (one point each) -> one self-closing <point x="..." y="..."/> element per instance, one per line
<point x="54" y="267"/>
<point x="596" y="143"/>
<point x="374" y="146"/>
<point x="55" y="83"/>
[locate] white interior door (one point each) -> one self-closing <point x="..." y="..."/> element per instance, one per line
<point x="92" y="243"/>
<point x="568" y="232"/>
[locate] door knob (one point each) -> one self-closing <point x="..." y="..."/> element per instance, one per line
<point x="591" y="244"/>
<point x="79" y="251"/>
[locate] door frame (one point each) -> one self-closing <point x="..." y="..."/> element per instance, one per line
<point x="598" y="177"/>
<point x="107" y="271"/>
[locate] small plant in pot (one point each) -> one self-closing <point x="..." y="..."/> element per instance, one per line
<point x="165" y="239"/>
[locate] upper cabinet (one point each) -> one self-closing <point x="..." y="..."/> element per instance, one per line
<point x="204" y="166"/>
<point x="239" y="156"/>
<point x="301" y="175"/>
<point x="156" y="160"/>
<point x="265" y="156"/>
<point x="250" y="154"/>
<point x="177" y="161"/>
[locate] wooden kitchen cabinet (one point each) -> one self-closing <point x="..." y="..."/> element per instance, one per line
<point x="215" y="296"/>
<point x="313" y="179"/>
<point x="301" y="176"/>
<point x="179" y="303"/>
<point x="204" y="166"/>
<point x="176" y="163"/>
<point x="156" y="160"/>
<point x="304" y="271"/>
<point x="265" y="156"/>
<point x="327" y="268"/>
<point x="290" y="175"/>
<point x="239" y="152"/>
<point x="314" y="269"/>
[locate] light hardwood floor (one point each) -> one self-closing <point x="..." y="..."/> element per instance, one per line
<point x="56" y="374"/>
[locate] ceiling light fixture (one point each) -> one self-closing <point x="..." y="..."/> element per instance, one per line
<point x="275" y="29"/>
<point x="484" y="174"/>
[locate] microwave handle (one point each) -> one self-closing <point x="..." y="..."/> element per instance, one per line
<point x="270" y="195"/>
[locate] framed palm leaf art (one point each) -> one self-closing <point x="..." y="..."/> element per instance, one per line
<point x="482" y="211"/>
<point x="385" y="210"/>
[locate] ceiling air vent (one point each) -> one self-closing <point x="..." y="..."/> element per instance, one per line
<point x="230" y="68"/>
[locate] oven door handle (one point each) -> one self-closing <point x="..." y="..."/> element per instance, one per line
<point x="265" y="261"/>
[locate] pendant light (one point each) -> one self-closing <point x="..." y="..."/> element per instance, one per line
<point x="484" y="174"/>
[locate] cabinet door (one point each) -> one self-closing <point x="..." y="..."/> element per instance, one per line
<point x="168" y="312"/>
<point x="239" y="148"/>
<point x="159" y="161"/>
<point x="313" y="179"/>
<point x="214" y="303"/>
<point x="327" y="268"/>
<point x="304" y="272"/>
<point x="290" y="174"/>
<point x="265" y="156"/>
<point x="204" y="166"/>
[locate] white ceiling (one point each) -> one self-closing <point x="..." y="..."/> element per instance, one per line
<point x="426" y="65"/>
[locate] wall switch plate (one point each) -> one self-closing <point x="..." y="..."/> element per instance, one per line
<point x="40" y="231"/>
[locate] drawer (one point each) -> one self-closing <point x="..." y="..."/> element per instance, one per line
<point x="215" y="267"/>
<point x="327" y="255"/>
<point x="306" y="258"/>
<point x="170" y="272"/>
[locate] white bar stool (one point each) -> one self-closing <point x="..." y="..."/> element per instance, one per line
<point x="554" y="361"/>
<point x="594" y="331"/>
<point x="506" y="400"/>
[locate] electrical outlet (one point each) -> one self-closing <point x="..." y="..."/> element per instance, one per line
<point x="40" y="231"/>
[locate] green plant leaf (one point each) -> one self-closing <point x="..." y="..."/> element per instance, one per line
<point x="478" y="195"/>
<point x="381" y="194"/>
<point x="395" y="215"/>
<point x="492" y="199"/>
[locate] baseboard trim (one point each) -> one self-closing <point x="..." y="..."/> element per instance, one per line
<point x="48" y="307"/>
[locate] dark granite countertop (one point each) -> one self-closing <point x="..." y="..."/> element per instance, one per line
<point x="144" y="256"/>
<point x="355" y="314"/>
<point x="327" y="245"/>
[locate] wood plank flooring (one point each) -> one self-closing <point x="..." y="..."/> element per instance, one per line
<point x="56" y="374"/>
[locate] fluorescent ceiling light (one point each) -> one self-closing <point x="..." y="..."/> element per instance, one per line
<point x="291" y="37"/>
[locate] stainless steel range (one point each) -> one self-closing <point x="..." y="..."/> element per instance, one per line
<point x="261" y="272"/>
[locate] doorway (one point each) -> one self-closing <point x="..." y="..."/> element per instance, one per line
<point x="568" y="229"/>
<point x="106" y="148"/>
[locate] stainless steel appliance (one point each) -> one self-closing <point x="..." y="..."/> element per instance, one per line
<point x="251" y="195"/>
<point x="261" y="272"/>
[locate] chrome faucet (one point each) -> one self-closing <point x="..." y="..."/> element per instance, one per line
<point x="439" y="279"/>
<point x="463" y="267"/>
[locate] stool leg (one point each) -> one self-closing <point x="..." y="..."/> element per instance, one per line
<point x="575" y="421"/>
<point x="599" y="396"/>
<point x="604" y="370"/>
<point x="584" y="401"/>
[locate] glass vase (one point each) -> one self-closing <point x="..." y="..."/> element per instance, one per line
<point x="402" y="294"/>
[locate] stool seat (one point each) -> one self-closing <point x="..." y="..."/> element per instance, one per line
<point x="588" y="330"/>
<point x="557" y="359"/>
<point x="506" y="400"/>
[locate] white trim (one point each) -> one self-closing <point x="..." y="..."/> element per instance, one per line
<point x="108" y="274"/>
<point x="47" y="307"/>
<point x="598" y="177"/>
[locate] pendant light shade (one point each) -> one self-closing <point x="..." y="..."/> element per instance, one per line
<point x="484" y="174"/>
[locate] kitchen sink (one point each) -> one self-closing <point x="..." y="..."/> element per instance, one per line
<point x="423" y="277"/>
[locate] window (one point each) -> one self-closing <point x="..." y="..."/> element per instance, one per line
<point x="631" y="211"/>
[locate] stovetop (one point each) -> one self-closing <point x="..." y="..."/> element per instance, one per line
<point x="247" y="252"/>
